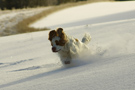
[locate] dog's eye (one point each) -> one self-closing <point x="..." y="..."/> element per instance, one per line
<point x="57" y="42"/>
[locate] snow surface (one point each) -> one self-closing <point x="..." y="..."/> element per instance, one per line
<point x="27" y="63"/>
<point x="88" y="14"/>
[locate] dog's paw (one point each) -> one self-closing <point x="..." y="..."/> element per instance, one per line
<point x="67" y="62"/>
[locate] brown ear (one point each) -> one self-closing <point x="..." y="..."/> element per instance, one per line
<point x="52" y="34"/>
<point x="60" y="31"/>
<point x="62" y="35"/>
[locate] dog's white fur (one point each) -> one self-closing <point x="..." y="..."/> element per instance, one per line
<point x="72" y="48"/>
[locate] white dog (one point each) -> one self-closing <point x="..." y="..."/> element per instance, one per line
<point x="66" y="46"/>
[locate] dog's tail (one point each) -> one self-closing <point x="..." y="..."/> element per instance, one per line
<point x="86" y="39"/>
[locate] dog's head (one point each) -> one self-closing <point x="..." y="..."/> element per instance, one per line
<point x="58" y="39"/>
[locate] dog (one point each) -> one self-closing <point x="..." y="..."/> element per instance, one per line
<point x="66" y="46"/>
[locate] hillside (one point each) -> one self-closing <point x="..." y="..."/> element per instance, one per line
<point x="27" y="63"/>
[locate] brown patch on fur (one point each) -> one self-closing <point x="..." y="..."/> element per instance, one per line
<point x="76" y="40"/>
<point x="63" y="37"/>
<point x="52" y="34"/>
<point x="51" y="43"/>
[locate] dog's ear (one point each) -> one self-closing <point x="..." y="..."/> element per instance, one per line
<point x="62" y="35"/>
<point x="52" y="34"/>
<point x="60" y="31"/>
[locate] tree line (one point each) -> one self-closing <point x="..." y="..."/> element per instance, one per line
<point x="17" y="4"/>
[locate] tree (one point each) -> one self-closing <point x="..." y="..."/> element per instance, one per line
<point x="9" y="4"/>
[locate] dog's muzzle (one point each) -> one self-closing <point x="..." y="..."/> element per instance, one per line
<point x="54" y="49"/>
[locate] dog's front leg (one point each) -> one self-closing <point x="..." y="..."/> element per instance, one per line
<point x="68" y="60"/>
<point x="65" y="59"/>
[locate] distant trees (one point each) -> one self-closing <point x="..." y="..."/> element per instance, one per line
<point x="2" y="4"/>
<point x="10" y="4"/>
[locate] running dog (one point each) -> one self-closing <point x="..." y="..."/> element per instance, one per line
<point x="66" y="46"/>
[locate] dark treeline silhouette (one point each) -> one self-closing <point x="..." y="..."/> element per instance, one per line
<point x="17" y="4"/>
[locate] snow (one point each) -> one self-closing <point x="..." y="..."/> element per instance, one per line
<point x="27" y="63"/>
<point x="88" y="14"/>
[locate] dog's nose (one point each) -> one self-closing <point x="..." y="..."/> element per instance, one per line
<point x="54" y="49"/>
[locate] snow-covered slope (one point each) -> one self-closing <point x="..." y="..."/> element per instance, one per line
<point x="88" y="14"/>
<point x="27" y="63"/>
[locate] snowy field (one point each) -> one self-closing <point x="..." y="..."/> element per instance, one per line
<point x="27" y="63"/>
<point x="88" y="14"/>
